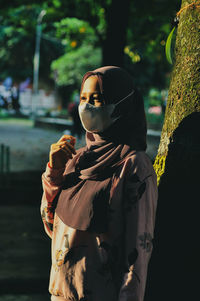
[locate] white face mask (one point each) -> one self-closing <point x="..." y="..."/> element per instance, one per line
<point x="97" y="119"/>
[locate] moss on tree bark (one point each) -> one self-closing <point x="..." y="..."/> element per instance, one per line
<point x="184" y="90"/>
<point x="174" y="267"/>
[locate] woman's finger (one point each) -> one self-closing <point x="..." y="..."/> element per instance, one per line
<point x="70" y="147"/>
<point x="63" y="138"/>
<point x="58" y="144"/>
<point x="55" y="145"/>
<point x="58" y="148"/>
<point x="58" y="151"/>
<point x="66" y="148"/>
<point x="65" y="143"/>
<point x="68" y="154"/>
<point x="61" y="143"/>
<point x="71" y="139"/>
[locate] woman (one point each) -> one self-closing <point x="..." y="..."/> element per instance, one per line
<point x="99" y="202"/>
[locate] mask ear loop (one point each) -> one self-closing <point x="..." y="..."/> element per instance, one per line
<point x="116" y="110"/>
<point x="132" y="92"/>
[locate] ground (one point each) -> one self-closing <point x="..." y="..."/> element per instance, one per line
<point x="25" y="247"/>
<point x="29" y="146"/>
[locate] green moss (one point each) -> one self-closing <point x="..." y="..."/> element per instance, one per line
<point x="184" y="90"/>
<point x="159" y="167"/>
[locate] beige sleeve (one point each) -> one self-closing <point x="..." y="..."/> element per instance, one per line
<point x="51" y="181"/>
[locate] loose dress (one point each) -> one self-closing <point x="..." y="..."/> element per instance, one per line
<point x="110" y="266"/>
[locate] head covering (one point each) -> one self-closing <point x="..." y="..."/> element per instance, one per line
<point x="83" y="202"/>
<point x="115" y="84"/>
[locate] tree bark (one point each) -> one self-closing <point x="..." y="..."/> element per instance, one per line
<point x="175" y="259"/>
<point x="115" y="41"/>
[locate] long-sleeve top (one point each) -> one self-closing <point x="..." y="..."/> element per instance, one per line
<point x="111" y="266"/>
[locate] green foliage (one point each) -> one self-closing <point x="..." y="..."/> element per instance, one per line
<point x="85" y="28"/>
<point x="17" y="43"/>
<point x="74" y="32"/>
<point x="168" y="46"/>
<point x="81" y="52"/>
<point x="56" y="3"/>
<point x="15" y="30"/>
<point x="154" y="97"/>
<point x="71" y="66"/>
<point x="149" y="26"/>
<point x="155" y="119"/>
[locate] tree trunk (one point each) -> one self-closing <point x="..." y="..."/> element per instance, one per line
<point x="115" y="41"/>
<point x="175" y="259"/>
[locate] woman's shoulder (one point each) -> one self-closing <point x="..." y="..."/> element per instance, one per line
<point x="140" y="158"/>
<point x="139" y="163"/>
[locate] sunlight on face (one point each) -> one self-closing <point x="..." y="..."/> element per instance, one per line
<point x="91" y="92"/>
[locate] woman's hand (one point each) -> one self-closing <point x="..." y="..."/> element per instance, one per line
<point x="62" y="151"/>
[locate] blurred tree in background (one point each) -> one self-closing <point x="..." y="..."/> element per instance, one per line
<point x="81" y="52"/>
<point x="81" y="35"/>
<point x="17" y="43"/>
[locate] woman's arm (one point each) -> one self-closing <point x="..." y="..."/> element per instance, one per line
<point x="53" y="177"/>
<point x="140" y="211"/>
<point x="52" y="180"/>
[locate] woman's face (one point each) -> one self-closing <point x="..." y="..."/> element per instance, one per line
<point x="91" y="92"/>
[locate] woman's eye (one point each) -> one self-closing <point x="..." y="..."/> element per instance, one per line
<point x="97" y="97"/>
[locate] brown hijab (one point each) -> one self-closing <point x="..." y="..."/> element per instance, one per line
<point x="84" y="199"/>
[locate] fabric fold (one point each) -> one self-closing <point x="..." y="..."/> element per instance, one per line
<point x="89" y="174"/>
